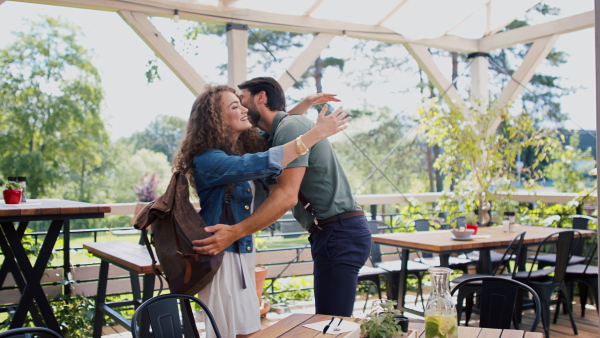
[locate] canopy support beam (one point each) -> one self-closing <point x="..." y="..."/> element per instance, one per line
<point x="435" y="75"/>
<point x="164" y="50"/>
<point x="519" y="79"/>
<point x="237" y="49"/>
<point x="305" y="60"/>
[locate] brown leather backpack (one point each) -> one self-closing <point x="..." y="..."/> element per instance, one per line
<point x="175" y="223"/>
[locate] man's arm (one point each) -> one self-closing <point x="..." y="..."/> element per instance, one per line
<point x="278" y="203"/>
<point x="302" y="107"/>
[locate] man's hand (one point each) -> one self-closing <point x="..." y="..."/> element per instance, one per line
<point x="223" y="236"/>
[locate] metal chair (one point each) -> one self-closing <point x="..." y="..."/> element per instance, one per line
<point x="25" y="332"/>
<point x="498" y="299"/>
<point x="577" y="222"/>
<point x="544" y="284"/>
<point x="160" y="316"/>
<point x="427" y="258"/>
<point x="393" y="267"/>
<point x="467" y="291"/>
<point x="372" y="273"/>
<point x="586" y="276"/>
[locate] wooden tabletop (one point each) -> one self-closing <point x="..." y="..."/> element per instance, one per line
<point x="487" y="237"/>
<point x="292" y="326"/>
<point x="50" y="207"/>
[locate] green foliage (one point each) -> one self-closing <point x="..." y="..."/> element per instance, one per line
<point x="480" y="159"/>
<point x="569" y="166"/>
<point x="12" y="185"/>
<point x="380" y="322"/>
<point x="162" y="135"/>
<point x="381" y="133"/>
<point x="289" y="289"/>
<point x="75" y="315"/>
<point x="50" y="98"/>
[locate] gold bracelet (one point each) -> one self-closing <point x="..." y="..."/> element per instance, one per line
<point x="300" y="146"/>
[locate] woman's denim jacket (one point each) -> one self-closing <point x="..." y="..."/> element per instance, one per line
<point x="214" y="169"/>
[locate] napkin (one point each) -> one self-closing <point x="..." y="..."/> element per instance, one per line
<point x="345" y="326"/>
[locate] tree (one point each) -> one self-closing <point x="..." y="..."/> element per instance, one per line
<point x="569" y="166"/>
<point x="162" y="135"/>
<point x="480" y="163"/>
<point x="50" y="97"/>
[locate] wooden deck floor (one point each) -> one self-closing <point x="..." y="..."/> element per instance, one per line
<point x="587" y="326"/>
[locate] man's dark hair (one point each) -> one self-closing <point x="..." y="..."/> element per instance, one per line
<point x="275" y="94"/>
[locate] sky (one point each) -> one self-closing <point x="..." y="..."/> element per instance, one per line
<point x="131" y="103"/>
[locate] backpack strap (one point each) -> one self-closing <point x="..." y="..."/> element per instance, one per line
<point x="155" y="268"/>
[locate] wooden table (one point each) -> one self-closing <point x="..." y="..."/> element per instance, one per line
<point x="14" y="219"/>
<point x="292" y="326"/>
<point x="440" y="242"/>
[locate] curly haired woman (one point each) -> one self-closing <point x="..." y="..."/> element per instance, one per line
<point x="224" y="149"/>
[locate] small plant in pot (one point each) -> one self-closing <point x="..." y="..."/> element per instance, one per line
<point x="12" y="193"/>
<point x="384" y="321"/>
<point x="471" y="222"/>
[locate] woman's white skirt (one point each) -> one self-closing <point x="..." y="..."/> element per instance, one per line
<point x="236" y="310"/>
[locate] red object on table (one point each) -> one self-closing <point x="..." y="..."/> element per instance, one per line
<point x="12" y="196"/>
<point x="474" y="227"/>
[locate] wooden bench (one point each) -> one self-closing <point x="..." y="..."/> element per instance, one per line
<point x="131" y="257"/>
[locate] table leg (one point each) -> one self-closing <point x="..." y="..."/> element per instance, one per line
<point x="484" y="265"/>
<point x="67" y="257"/>
<point x="444" y="260"/>
<point x="402" y="279"/>
<point x="10" y="265"/>
<point x="33" y="275"/>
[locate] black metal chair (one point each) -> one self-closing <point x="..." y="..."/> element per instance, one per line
<point x="27" y="332"/>
<point x="372" y="274"/>
<point x="586" y="276"/>
<point x="576" y="222"/>
<point x="467" y="291"/>
<point x="159" y="317"/>
<point x="498" y="299"/>
<point x="429" y="259"/>
<point x="546" y="281"/>
<point x="393" y="267"/>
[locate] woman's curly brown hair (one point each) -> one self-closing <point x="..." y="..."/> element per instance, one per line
<point x="207" y="129"/>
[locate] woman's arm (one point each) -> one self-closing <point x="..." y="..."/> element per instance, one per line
<point x="311" y="100"/>
<point x="326" y="126"/>
<point x="215" y="167"/>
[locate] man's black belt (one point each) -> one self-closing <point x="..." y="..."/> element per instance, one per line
<point x="337" y="217"/>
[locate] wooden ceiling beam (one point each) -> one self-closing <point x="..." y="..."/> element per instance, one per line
<point x="164" y="50"/>
<point x="529" y="34"/>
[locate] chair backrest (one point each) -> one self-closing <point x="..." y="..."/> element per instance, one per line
<point x="498" y="299"/>
<point x="513" y="250"/>
<point x="567" y="243"/>
<point x="161" y="316"/>
<point x="578" y="222"/>
<point x="591" y="254"/>
<point x="458" y="221"/>
<point x="424" y="224"/>
<point x="375" y="256"/>
<point x="25" y="332"/>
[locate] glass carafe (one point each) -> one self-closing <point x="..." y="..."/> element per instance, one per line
<point x="440" y="312"/>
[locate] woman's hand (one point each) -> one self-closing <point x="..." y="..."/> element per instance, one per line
<point x="328" y="125"/>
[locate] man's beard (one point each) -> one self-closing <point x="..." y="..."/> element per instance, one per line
<point x="254" y="116"/>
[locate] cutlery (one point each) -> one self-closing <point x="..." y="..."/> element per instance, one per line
<point x="327" y="326"/>
<point x="337" y="328"/>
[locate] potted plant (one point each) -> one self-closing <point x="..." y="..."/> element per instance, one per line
<point x="12" y="193"/>
<point x="384" y="321"/>
<point x="471" y="222"/>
